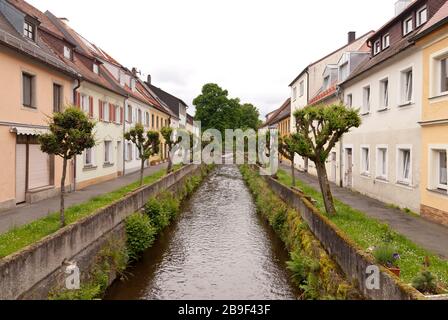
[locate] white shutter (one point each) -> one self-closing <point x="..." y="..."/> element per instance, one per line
<point x="39" y="168"/>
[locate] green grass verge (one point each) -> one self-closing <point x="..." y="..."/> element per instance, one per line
<point x="20" y="237"/>
<point x="368" y="232"/>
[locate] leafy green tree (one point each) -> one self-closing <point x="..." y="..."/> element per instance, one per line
<point x="288" y="146"/>
<point x="319" y="128"/>
<point x="249" y="117"/>
<point x="71" y="132"/>
<point x="148" y="144"/>
<point x="167" y="134"/>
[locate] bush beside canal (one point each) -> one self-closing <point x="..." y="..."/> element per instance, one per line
<point x="312" y="269"/>
<point x="141" y="230"/>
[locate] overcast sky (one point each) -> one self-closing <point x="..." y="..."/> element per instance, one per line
<point x="253" y="48"/>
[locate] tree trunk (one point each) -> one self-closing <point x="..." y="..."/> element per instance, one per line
<point x="325" y="188"/>
<point x="142" y="169"/>
<point x="62" y="207"/>
<point x="170" y="162"/>
<point x="293" y="175"/>
<point x="306" y="165"/>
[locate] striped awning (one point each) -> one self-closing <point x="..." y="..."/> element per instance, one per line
<point x="29" y="131"/>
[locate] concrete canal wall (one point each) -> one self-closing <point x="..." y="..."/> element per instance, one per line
<point x="36" y="270"/>
<point x="351" y="258"/>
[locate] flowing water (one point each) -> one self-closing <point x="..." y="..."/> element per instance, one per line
<point x="219" y="248"/>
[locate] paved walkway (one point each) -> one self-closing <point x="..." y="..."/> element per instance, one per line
<point x="31" y="212"/>
<point x="427" y="234"/>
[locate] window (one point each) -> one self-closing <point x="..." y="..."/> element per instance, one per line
<point x="407" y="86"/>
<point x="443" y="75"/>
<point x="57" y="97"/>
<point x="147" y="121"/>
<point x="117" y="114"/>
<point x="152" y="120"/>
<point x="366" y="100"/>
<point x="326" y="82"/>
<point x="29" y="31"/>
<point x="139" y="116"/>
<point x="96" y="68"/>
<point x="28" y="90"/>
<point x="129" y="113"/>
<point x="377" y="47"/>
<point x="422" y="16"/>
<point x="85" y="103"/>
<point x="404" y="166"/>
<point x="365" y="161"/>
<point x="343" y="72"/>
<point x="442" y="170"/>
<point x="408" y="26"/>
<point x="133" y="84"/>
<point x="381" y="163"/>
<point x="67" y="52"/>
<point x="106" y="112"/>
<point x="294" y="93"/>
<point x="88" y="157"/>
<point x="386" y="41"/>
<point x="349" y="100"/>
<point x="157" y="122"/>
<point x="301" y="88"/>
<point x="384" y="94"/>
<point x="107" y="152"/>
<point x="129" y="151"/>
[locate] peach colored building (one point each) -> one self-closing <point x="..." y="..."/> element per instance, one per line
<point x="34" y="83"/>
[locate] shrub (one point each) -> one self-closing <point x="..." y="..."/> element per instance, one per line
<point x="140" y="234"/>
<point x="157" y="214"/>
<point x="301" y="266"/>
<point x="386" y="255"/>
<point x="425" y="282"/>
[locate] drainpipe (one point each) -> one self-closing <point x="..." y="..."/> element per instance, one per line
<point x="75" y="89"/>
<point x="124" y="131"/>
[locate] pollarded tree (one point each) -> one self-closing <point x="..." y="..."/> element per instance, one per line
<point x="171" y="142"/>
<point x="71" y="132"/>
<point x="147" y="144"/>
<point x="319" y="128"/>
<point x="288" y="147"/>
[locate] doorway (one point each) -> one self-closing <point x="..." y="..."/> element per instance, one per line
<point x="348" y="181"/>
<point x="334" y="167"/>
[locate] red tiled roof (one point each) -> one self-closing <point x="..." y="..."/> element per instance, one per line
<point x="323" y="95"/>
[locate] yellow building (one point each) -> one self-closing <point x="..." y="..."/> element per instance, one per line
<point x="433" y="39"/>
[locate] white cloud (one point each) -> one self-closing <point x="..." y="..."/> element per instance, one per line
<point x="252" y="48"/>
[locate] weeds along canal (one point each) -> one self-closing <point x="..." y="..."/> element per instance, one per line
<point x="219" y="248"/>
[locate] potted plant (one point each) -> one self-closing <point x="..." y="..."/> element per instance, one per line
<point x="388" y="257"/>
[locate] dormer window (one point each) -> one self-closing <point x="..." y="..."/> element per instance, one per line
<point x="96" y="68"/>
<point x="377" y="47"/>
<point x="386" y="41"/>
<point x="422" y="16"/>
<point x="29" y="31"/>
<point x="67" y="52"/>
<point x="408" y="26"/>
<point x="133" y="84"/>
<point x="326" y="82"/>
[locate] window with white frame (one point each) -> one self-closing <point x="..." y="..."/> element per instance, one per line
<point x="422" y="16"/>
<point x="96" y="68"/>
<point x="408" y="26"/>
<point x="349" y="100"/>
<point x="106" y="112"/>
<point x="384" y="94"/>
<point x="129" y="113"/>
<point x="404" y="169"/>
<point x="107" y="152"/>
<point x="89" y="157"/>
<point x="326" y="84"/>
<point x="440" y="169"/>
<point x="67" y="52"/>
<point x="443" y="74"/>
<point x="29" y="30"/>
<point x="85" y="103"/>
<point x="343" y="72"/>
<point x="294" y="93"/>
<point x="117" y="114"/>
<point x="366" y="100"/>
<point x="147" y="119"/>
<point x="139" y="116"/>
<point x="407" y="86"/>
<point x="301" y="88"/>
<point x="377" y="47"/>
<point x="129" y="151"/>
<point x="365" y="160"/>
<point x="381" y="163"/>
<point x="386" y="41"/>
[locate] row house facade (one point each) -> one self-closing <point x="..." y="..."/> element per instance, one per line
<point x="382" y="157"/>
<point x="317" y="84"/>
<point x="35" y="82"/>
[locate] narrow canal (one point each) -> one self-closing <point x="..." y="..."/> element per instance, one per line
<point x="218" y="249"/>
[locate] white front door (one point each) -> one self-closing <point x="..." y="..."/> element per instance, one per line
<point x="39" y="168"/>
<point x="20" y="173"/>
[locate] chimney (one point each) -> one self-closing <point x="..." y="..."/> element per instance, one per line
<point x="134" y="71"/>
<point x="401" y="5"/>
<point x="149" y="79"/>
<point x="351" y="37"/>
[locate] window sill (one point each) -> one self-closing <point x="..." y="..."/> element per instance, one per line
<point x="439" y="96"/>
<point x="365" y="113"/>
<point x="89" y="168"/>
<point x="365" y="175"/>
<point x="406" y="185"/>
<point x="381" y="179"/>
<point x="405" y="104"/>
<point x="108" y="165"/>
<point x="29" y="108"/>
<point x="384" y="109"/>
<point x="439" y="192"/>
